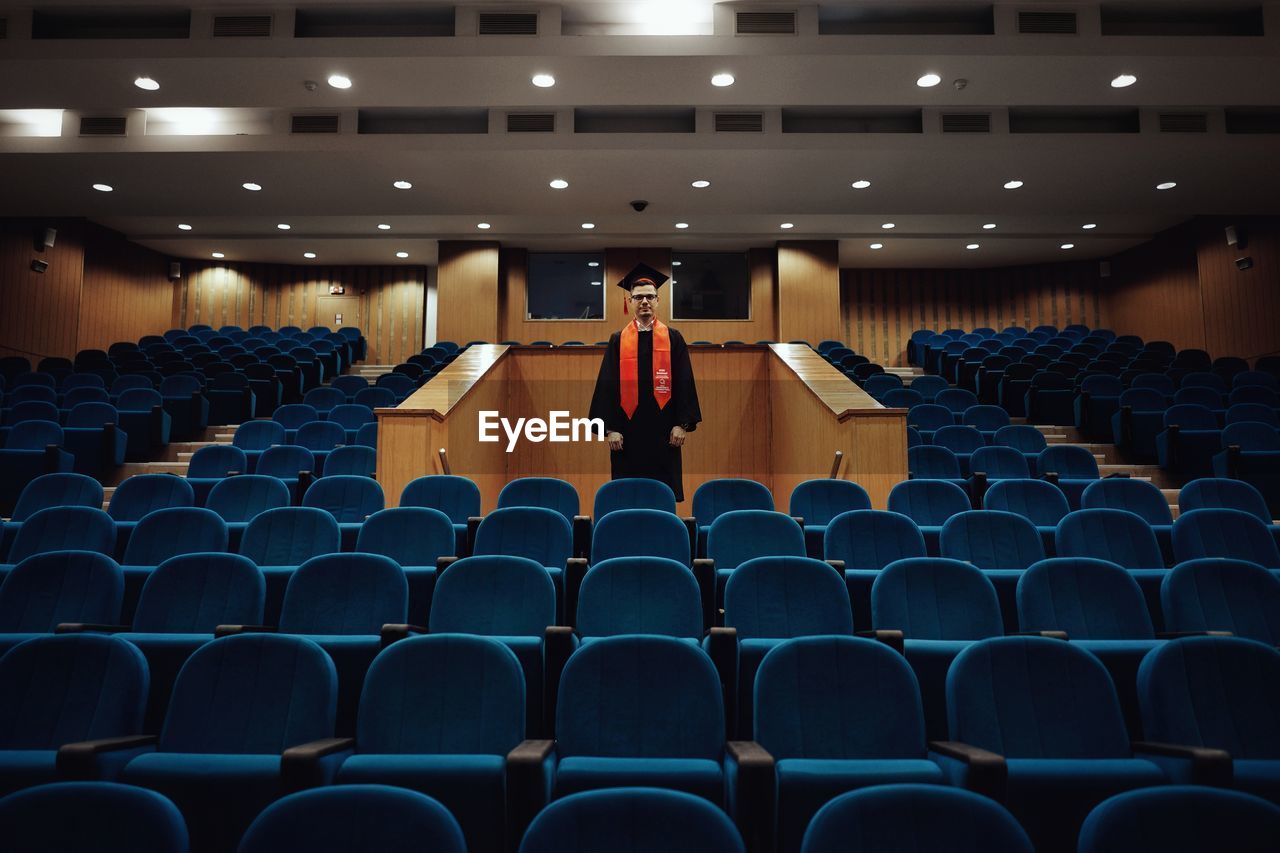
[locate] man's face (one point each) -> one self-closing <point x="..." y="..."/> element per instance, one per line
<point x="645" y="299"/>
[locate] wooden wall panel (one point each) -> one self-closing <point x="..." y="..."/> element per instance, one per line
<point x="1154" y="290"/>
<point x="808" y="290"/>
<point x="40" y="312"/>
<point x="467" y="292"/>
<point x="126" y="292"/>
<point x="389" y="299"/>
<point x="880" y="308"/>
<point x="1241" y="307"/>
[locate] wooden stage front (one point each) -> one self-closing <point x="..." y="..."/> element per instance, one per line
<point x="774" y="413"/>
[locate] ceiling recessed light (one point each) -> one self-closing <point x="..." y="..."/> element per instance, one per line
<point x="723" y="79"/>
<point x="146" y="83"/>
<point x="701" y="184"/>
<point x="1167" y="185"/>
<point x="889" y="225"/>
<point x="1067" y="246"/>
<point x="988" y="226"/>
<point x="1089" y="226"/>
<point x="402" y="185"/>
<point x="284" y="226"/>
<point x="928" y="81"/>
<point x="543" y="81"/>
<point x="596" y="283"/>
<point x="103" y="188"/>
<point x="382" y="226"/>
<point x="682" y="225"/>
<point x="483" y="226"/>
<point x="402" y="254"/>
<point x="1012" y="185"/>
<point x="219" y="255"/>
<point x="860" y="185"/>
<point x="877" y="245"/>
<point x="587" y="226"/>
<point x="182" y="226"/>
<point x="676" y="263"/>
<point x="1124" y="81"/>
<point x="593" y="263"/>
<point x="309" y="255"/>
<point x="251" y="186"/>
<point x="787" y="225"/>
<point x="339" y="81"/>
<point x="559" y="184"/>
<point x="972" y="246"/>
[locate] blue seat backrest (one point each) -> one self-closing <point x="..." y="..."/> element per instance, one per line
<point x="165" y="533"/>
<point x="1115" y="535"/>
<point x="1224" y="533"/>
<point x="990" y="539"/>
<point x="289" y="536"/>
<point x="716" y="497"/>
<point x="240" y="499"/>
<point x="928" y="502"/>
<point x="779" y="597"/>
<point x="740" y="535"/>
<point x="62" y="489"/>
<point x="345" y="594"/>
<point x="144" y="493"/>
<point x="64" y="528"/>
<point x="1069" y="461"/>
<point x="1041" y="503"/>
<point x="934" y="598"/>
<point x="1221" y="493"/>
<point x="540" y="534"/>
<point x="1089" y="599"/>
<point x="673" y="821"/>
<point x="195" y="593"/>
<point x="819" y="501"/>
<point x="493" y="595"/>
<point x="639" y="595"/>
<point x="547" y="492"/>
<point x="633" y="493"/>
<point x="1140" y="497"/>
<point x="1212" y="594"/>
<point x="410" y="535"/>
<point x="638" y="533"/>
<point x="929" y="461"/>
<point x="349" y="499"/>
<point x="457" y="497"/>
<point x="46" y="589"/>
<point x="998" y="461"/>
<point x="871" y="539"/>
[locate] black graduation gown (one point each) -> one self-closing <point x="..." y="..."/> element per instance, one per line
<point x="646" y="451"/>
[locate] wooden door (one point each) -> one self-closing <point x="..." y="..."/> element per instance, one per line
<point x="337" y="311"/>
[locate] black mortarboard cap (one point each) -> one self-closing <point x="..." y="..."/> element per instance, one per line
<point x="640" y="273"/>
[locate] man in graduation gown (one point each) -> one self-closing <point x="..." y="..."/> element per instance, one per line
<point x="645" y="393"/>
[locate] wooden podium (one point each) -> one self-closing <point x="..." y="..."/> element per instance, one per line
<point x="774" y="413"/>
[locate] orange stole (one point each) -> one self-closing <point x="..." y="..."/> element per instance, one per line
<point x="629" y="367"/>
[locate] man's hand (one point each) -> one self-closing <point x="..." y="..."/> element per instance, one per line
<point x="677" y="437"/>
<point x="615" y="440"/>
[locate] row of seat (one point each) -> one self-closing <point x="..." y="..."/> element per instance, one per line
<point x="1034" y="723"/>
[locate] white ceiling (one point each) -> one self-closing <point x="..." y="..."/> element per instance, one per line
<point x="938" y="189"/>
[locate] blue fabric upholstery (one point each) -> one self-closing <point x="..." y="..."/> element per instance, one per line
<point x="1198" y="439"/>
<point x="237" y="705"/>
<point x="991" y="539"/>
<point x="209" y="465"/>
<point x="354" y="460"/>
<point x="1115" y="535"/>
<point x="143" y="493"/>
<point x="931" y="598"/>
<point x="929" y="503"/>
<point x="1050" y="708"/>
<point x="743" y="534"/>
<point x="101" y="816"/>
<point x="349" y="499"/>
<point x="1216" y="594"/>
<point x="238" y="500"/>
<point x="640" y="710"/>
<point x="1041" y="503"/>
<point x="871" y="539"/>
<point x="280" y="540"/>
<point x="639" y="595"/>
<point x="812" y="717"/>
<point x="456" y="497"/>
<point x="1218" y="692"/>
<point x="640" y="533"/>
<point x="354" y="818"/>
<point x="648" y="818"/>
<point x="819" y="501"/>
<point x="1216" y="493"/>
<point x="48" y="588"/>
<point x="911" y="819"/>
<point x="344" y="594"/>
<point x="455" y="749"/>
<point x="253" y="437"/>
<point x="542" y="535"/>
<point x="716" y="497"/>
<point x="931" y="462"/>
<point x="1224" y="533"/>
<point x="999" y="463"/>
<point x="546" y="492"/>
<point x="415" y="537"/>
<point x="61" y="489"/>
<point x="1090" y="599"/>
<point x="167" y="533"/>
<point x="1181" y="819"/>
<point x="1140" y="497"/>
<point x="633" y="493"/>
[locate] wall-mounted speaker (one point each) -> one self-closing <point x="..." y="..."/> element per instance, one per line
<point x="1104" y="269"/>
<point x="39" y="266"/>
<point x="1237" y="237"/>
<point x="1244" y="263"/>
<point x="175" y="270"/>
<point x="50" y="235"/>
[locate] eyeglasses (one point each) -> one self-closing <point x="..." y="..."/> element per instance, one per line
<point x="645" y="297"/>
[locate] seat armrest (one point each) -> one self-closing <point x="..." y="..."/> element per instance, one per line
<point x="394" y="631"/>
<point x="443" y="563"/>
<point x="581" y="535"/>
<point x="704" y="572"/>
<point x="575" y="569"/>
<point x="1177" y="635"/>
<point x="891" y="637"/>
<point x="798" y="519"/>
<point x="558" y="643"/>
<point x="722" y="645"/>
<point x="838" y="565"/>
<point x="691" y="524"/>
<point x="304" y="482"/>
<point x="751" y="784"/>
<point x="230" y="630"/>
<point x="1052" y="635"/>
<point x="530" y="769"/>
<point x="987" y="774"/>
<point x="80" y="761"/>
<point x="305" y="765"/>
<point x="473" y="525"/>
<point x="1208" y="766"/>
<point x="89" y="627"/>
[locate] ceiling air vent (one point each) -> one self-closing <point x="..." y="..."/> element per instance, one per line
<point x="739" y="122"/>
<point x="765" y="24"/>
<point x="1184" y="123"/>
<point x="314" y="123"/>
<point x="1253" y="120"/>
<point x="531" y="122"/>
<point x="1053" y="23"/>
<point x="241" y="26"/>
<point x="128" y="23"/>
<point x="102" y="126"/>
<point x="4" y="28"/>
<point x="508" y="23"/>
<point x="966" y="122"/>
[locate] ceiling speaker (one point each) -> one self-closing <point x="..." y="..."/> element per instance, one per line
<point x="50" y="235"/>
<point x="1237" y="237"/>
<point x="39" y="266"/>
<point x="1244" y="263"/>
<point x="175" y="270"/>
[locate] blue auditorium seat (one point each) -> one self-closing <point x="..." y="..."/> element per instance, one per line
<point x="62" y="528"/>
<point x="929" y="503"/>
<point x="1041" y="503"/>
<point x="819" y="501"/>
<point x="744" y="534"/>
<point x="143" y="493"/>
<point x="865" y="541"/>
<point x="962" y="441"/>
<point x="633" y="493"/>
<point x="1097" y="401"/>
<point x="231" y="399"/>
<point x="1181" y="819"/>
<point x="1002" y="544"/>
<point x="291" y="464"/>
<point x="1120" y="537"/>
<point x="1140" y="497"/>
<point x="540" y="534"/>
<point x="928" y="418"/>
<point x="1074" y="469"/>
<point x="1217" y="693"/>
<point x="58" y="690"/>
<point x="1251" y="452"/>
<point x="239" y="703"/>
<point x="986" y="419"/>
<point x="27" y="456"/>
<point x="324" y="399"/>
<point x="455" y="750"/>
<point x="1139" y="419"/>
<point x="292" y="416"/>
<point x="928" y="386"/>
<point x="957" y="401"/>
<point x="280" y="540"/>
<point x="351" y="417"/>
<point x="639" y="595"/>
<point x="888" y="819"/>
<point x="186" y="404"/>
<point x="825" y="735"/>
<point x="349" y="385"/>
<point x="349" y="499"/>
<point x="1190" y="438"/>
<point x="254" y="437"/>
<point x="552" y="494"/>
<point x="51" y="490"/>
<point x="166" y="533"/>
<point x="1216" y="594"/>
<point x="92" y="435"/>
<point x="145" y="422"/>
<point x="940" y="606"/>
<point x="354" y="817"/>
<point x="931" y="462"/>
<point x="716" y="497"/>
<point x="353" y="460"/>
<point x="1049" y="710"/>
<point x="457" y="497"/>
<point x="320" y="437"/>
<point x="416" y="538"/>
<point x="1228" y="533"/>
<point x="101" y="816"/>
<point x="375" y="398"/>
<point x="237" y="500"/>
<point x="212" y="464"/>
<point x="641" y="817"/>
